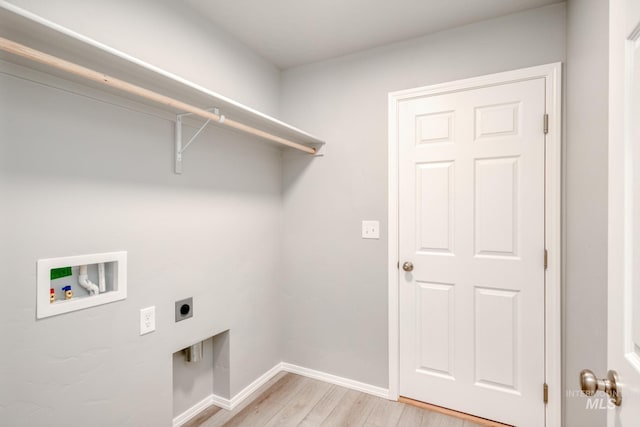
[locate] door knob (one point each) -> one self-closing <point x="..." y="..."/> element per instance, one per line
<point x="407" y="266"/>
<point x="590" y="384"/>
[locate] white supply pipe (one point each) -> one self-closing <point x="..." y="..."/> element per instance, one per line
<point x="102" y="283"/>
<point x="83" y="280"/>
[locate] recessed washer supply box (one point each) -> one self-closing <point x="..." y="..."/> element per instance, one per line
<point x="108" y="268"/>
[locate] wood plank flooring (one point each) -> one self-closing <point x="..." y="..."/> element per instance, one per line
<point x="289" y="400"/>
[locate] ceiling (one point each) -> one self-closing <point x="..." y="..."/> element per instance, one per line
<point x="294" y="32"/>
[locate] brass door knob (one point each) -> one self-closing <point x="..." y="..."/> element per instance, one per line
<point x="407" y="266"/>
<point x="590" y="384"/>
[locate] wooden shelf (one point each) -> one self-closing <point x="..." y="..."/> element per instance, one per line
<point x="30" y="30"/>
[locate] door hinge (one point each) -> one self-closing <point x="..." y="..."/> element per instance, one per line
<point x="546" y="124"/>
<point x="545" y="393"/>
<point x="546" y="259"/>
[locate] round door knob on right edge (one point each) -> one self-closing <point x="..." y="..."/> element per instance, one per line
<point x="407" y="266"/>
<point x="591" y="384"/>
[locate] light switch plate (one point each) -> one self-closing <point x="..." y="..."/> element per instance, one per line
<point x="147" y="320"/>
<point x="370" y="229"/>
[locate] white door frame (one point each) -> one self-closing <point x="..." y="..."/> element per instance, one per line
<point x="553" y="219"/>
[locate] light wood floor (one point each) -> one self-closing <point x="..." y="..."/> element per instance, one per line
<point x="292" y="400"/>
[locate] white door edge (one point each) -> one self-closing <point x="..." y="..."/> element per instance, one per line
<point x="552" y="73"/>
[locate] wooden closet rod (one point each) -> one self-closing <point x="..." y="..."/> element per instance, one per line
<point x="78" y="70"/>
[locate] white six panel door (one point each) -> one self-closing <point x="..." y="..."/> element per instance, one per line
<point x="472" y="222"/>
<point x="624" y="210"/>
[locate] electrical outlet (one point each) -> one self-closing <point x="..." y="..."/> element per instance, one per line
<point x="184" y="309"/>
<point x="147" y="320"/>
<point x="370" y="229"/>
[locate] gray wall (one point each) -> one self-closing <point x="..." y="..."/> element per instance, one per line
<point x="79" y="176"/>
<point x="336" y="283"/>
<point x="586" y="124"/>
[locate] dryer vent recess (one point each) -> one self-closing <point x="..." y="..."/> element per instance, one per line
<point x="184" y="309"/>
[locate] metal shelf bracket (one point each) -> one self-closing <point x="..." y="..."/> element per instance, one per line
<point x="180" y="148"/>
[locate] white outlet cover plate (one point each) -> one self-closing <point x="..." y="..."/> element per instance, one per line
<point x="147" y="320"/>
<point x="370" y="229"/>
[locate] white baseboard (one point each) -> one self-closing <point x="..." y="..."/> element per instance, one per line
<point x="246" y="392"/>
<point x="220" y="402"/>
<point x="193" y="411"/>
<point x="230" y="404"/>
<point x="334" y="379"/>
